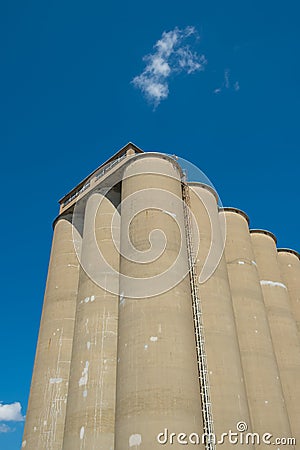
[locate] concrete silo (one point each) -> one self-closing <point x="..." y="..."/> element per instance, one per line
<point x="90" y="416"/>
<point x="263" y="385"/>
<point x="289" y="263"/>
<point x="45" y="419"/>
<point x="153" y="335"/>
<point x="282" y="324"/>
<point x="225" y="374"/>
<point x="157" y="378"/>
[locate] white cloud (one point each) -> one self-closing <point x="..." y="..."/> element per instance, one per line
<point x="11" y="412"/>
<point x="191" y="62"/>
<point x="226" y="78"/>
<point x="236" y="86"/>
<point x="170" y="56"/>
<point x="160" y="66"/>
<point x="5" y="428"/>
<point x="227" y="84"/>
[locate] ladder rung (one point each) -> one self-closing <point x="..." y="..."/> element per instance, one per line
<point x="197" y="313"/>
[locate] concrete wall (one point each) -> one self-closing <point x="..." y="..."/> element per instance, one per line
<point x="282" y="324"/>
<point x="45" y="417"/>
<point x="263" y="385"/>
<point x="225" y="373"/>
<point x="90" y="418"/>
<point x="157" y="380"/>
<point x="289" y="264"/>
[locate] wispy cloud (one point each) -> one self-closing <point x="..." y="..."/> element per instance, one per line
<point x="226" y="78"/>
<point x="236" y="86"/>
<point x="5" y="428"/>
<point x="171" y="56"/>
<point x="11" y="412"/>
<point x="227" y="83"/>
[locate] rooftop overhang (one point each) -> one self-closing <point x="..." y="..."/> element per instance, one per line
<point x="128" y="150"/>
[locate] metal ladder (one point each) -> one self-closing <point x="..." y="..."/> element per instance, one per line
<point x="198" y="324"/>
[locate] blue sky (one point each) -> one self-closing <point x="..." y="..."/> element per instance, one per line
<point x="68" y="103"/>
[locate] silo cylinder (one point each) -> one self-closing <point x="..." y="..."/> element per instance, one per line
<point x="45" y="417"/>
<point x="157" y="380"/>
<point x="263" y="385"/>
<point x="225" y="374"/>
<point x="289" y="263"/>
<point x="282" y="324"/>
<point x="90" y="417"/>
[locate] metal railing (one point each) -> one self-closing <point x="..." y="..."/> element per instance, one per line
<point x="98" y="175"/>
<point x="108" y="166"/>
